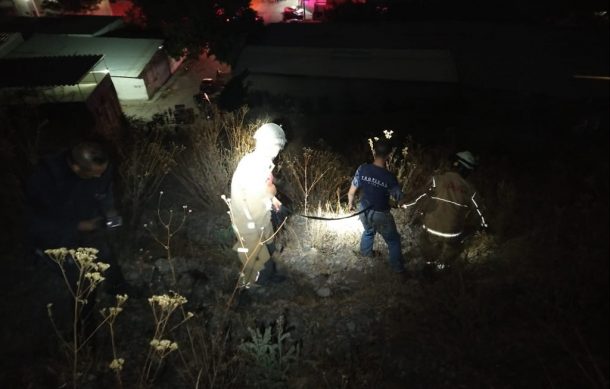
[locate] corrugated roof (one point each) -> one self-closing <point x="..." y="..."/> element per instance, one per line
<point x="124" y="57"/>
<point x="4" y="36"/>
<point x="378" y="64"/>
<point x="45" y="71"/>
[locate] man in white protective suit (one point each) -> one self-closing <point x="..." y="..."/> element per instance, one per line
<point x="252" y="201"/>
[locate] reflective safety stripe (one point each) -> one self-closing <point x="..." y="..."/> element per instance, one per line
<point x="433" y="183"/>
<point x="449" y="201"/>
<point x="479" y="212"/>
<point x="442" y="234"/>
<point x="413" y="203"/>
<point x="474" y="202"/>
<point x="242" y="250"/>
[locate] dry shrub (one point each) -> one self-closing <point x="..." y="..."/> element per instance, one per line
<point x="146" y="158"/>
<point x="214" y="148"/>
<point x="413" y="166"/>
<point x="316" y="180"/>
<point x="315" y="177"/>
<point x="210" y="361"/>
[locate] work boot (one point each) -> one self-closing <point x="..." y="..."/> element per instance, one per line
<point x="268" y="279"/>
<point x="269" y="275"/>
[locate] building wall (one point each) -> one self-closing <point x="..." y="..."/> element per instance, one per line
<point x="154" y="75"/>
<point x="103" y="104"/>
<point x="346" y="95"/>
<point x="156" y="72"/>
<point x="174" y="64"/>
<point x="130" y="88"/>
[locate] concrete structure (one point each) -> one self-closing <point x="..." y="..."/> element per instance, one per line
<point x="74" y="94"/>
<point x="327" y="79"/>
<point x="138" y="67"/>
<point x="512" y="58"/>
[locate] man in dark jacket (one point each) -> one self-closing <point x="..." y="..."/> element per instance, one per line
<point x="69" y="201"/>
<point x="377" y="184"/>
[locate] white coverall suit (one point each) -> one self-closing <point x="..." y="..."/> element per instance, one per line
<point x="252" y="192"/>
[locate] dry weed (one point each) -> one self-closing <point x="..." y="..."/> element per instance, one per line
<point x="215" y="147"/>
<point x="315" y="177"/>
<point x="146" y="158"/>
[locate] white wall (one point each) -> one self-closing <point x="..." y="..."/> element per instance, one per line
<point x="130" y="88"/>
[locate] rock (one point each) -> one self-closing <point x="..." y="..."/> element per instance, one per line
<point x="351" y="327"/>
<point x="324" y="292"/>
<point x="162" y="265"/>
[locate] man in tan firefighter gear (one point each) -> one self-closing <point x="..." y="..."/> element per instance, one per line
<point x="252" y="201"/>
<point x="447" y="209"/>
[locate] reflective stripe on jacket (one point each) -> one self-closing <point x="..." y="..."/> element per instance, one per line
<point x="450" y="200"/>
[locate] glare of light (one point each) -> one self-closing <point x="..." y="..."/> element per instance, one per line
<point x="347" y="226"/>
<point x="585" y="77"/>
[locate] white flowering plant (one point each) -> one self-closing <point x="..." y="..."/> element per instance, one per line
<point x="82" y="274"/>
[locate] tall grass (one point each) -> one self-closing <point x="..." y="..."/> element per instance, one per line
<point x="213" y="148"/>
<point x="146" y="157"/>
<point x="315" y="177"/>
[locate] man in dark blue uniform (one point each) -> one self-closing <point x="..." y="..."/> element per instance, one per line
<point x="377" y="184"/>
<point x="69" y="199"/>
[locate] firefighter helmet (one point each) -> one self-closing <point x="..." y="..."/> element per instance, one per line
<point x="466" y="159"/>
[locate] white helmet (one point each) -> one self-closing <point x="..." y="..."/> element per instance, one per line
<point x="270" y="133"/>
<point x="466" y="159"/>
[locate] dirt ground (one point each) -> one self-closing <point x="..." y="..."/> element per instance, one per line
<point x="526" y="306"/>
<point x="356" y="324"/>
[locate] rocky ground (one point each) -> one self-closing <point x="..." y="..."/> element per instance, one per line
<point x="351" y="321"/>
<point x="339" y="308"/>
<point x="525" y="306"/>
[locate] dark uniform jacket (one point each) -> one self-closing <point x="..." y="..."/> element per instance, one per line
<point x="449" y="204"/>
<point x="57" y="200"/>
